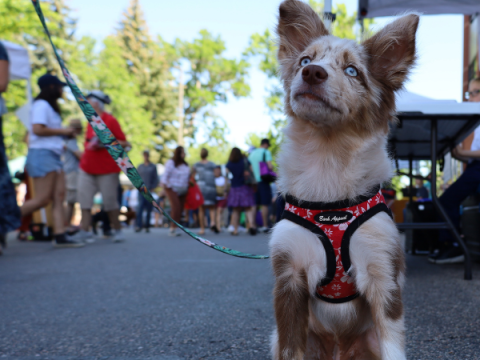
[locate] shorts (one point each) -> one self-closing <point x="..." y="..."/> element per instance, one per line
<point x="264" y="194"/>
<point x="71" y="181"/>
<point x="40" y="162"/>
<point x="89" y="185"/>
<point x="221" y="203"/>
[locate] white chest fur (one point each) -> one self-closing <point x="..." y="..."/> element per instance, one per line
<point x="314" y="168"/>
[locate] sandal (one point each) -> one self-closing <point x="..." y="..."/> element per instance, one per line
<point x="215" y="229"/>
<point x="234" y="233"/>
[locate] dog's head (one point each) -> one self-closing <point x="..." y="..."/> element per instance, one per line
<point x="336" y="83"/>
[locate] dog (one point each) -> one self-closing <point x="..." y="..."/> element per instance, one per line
<point x="338" y="300"/>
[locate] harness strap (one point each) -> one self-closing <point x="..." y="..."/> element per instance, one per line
<point x="329" y="251"/>
<point x="345" y="252"/>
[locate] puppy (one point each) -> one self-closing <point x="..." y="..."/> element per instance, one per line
<point x="337" y="260"/>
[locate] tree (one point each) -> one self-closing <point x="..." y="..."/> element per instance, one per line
<point x="218" y="148"/>
<point x="264" y="48"/>
<point x="211" y="77"/>
<point x="149" y="65"/>
<point x="20" y="24"/>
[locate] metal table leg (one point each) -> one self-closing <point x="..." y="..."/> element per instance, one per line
<point x="439" y="207"/>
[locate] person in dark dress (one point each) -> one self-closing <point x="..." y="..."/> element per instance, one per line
<point x="241" y="195"/>
<point x="9" y="211"/>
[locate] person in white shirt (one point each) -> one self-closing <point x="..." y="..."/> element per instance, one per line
<point x="44" y="163"/>
<point x="175" y="181"/>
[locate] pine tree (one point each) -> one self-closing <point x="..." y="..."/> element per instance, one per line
<point x="149" y="65"/>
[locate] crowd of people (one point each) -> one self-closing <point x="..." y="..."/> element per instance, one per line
<point x="240" y="189"/>
<point x="63" y="175"/>
<point x="238" y="196"/>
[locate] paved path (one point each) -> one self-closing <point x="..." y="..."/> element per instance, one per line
<point x="162" y="298"/>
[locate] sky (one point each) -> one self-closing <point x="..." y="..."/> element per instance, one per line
<point x="438" y="74"/>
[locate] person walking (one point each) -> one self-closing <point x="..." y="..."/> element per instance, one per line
<point x="44" y="162"/>
<point x="241" y="196"/>
<point x="264" y="191"/>
<point x="99" y="172"/>
<point x="148" y="172"/>
<point x="175" y="183"/>
<point x="204" y="169"/>
<point x="71" y="166"/>
<point x="10" y="212"/>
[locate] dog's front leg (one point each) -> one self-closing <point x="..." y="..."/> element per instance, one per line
<point x="378" y="267"/>
<point x="291" y="308"/>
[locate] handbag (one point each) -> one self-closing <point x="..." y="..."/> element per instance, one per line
<point x="248" y="173"/>
<point x="266" y="174"/>
<point x="194" y="198"/>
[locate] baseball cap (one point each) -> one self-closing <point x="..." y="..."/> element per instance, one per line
<point x="46" y="80"/>
<point x="100" y="95"/>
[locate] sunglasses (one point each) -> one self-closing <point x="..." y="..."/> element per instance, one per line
<point x="472" y="93"/>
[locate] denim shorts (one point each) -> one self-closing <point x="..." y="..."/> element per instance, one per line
<point x="40" y="162"/>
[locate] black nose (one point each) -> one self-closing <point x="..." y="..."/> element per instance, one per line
<point x="314" y="74"/>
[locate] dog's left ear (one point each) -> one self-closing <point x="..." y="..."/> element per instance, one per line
<point x="298" y="25"/>
<point x="392" y="52"/>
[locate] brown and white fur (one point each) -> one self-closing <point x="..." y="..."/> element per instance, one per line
<point x="335" y="149"/>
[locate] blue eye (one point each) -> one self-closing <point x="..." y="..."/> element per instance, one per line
<point x="305" y="61"/>
<point x="351" y="71"/>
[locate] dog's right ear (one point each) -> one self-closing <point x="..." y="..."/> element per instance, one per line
<point x="298" y="26"/>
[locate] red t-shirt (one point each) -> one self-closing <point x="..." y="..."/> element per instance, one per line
<point x="99" y="162"/>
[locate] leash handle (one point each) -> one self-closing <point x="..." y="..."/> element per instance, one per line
<point x="117" y="152"/>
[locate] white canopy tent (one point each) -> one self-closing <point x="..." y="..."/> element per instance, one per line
<point x="377" y="8"/>
<point x="19" y="69"/>
<point x="408" y="102"/>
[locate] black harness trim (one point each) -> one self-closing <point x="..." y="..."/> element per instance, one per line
<point x="345" y="245"/>
<point x="337" y="301"/>
<point x="345" y="252"/>
<point x="329" y="252"/>
<point x="314" y="205"/>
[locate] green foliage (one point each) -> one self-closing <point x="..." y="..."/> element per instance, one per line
<point x="134" y="69"/>
<point x="211" y="77"/>
<point x="218" y="148"/>
<point x="148" y="65"/>
<point x="20" y="25"/>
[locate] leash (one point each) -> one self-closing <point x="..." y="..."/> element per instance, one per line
<point x="117" y="152"/>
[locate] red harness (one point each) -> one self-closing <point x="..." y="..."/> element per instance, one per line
<point x="335" y="223"/>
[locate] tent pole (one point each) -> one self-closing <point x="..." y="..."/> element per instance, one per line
<point x="327" y="11"/>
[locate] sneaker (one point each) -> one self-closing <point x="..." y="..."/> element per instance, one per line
<point x="252" y="231"/>
<point x="173" y="233"/>
<point x="451" y="255"/>
<point x="262" y="229"/>
<point x="137" y="229"/>
<point x="147" y="230"/>
<point x="230" y="228"/>
<point x="83" y="237"/>
<point x="63" y="241"/>
<point x="108" y="234"/>
<point x="118" y="236"/>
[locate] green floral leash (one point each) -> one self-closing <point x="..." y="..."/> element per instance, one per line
<point x="117" y="152"/>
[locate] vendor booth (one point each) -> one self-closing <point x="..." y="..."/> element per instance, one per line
<point x="428" y="129"/>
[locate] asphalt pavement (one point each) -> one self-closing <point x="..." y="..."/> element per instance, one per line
<point x="162" y="298"/>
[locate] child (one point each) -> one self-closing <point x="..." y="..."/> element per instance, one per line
<point x="221" y="185"/>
